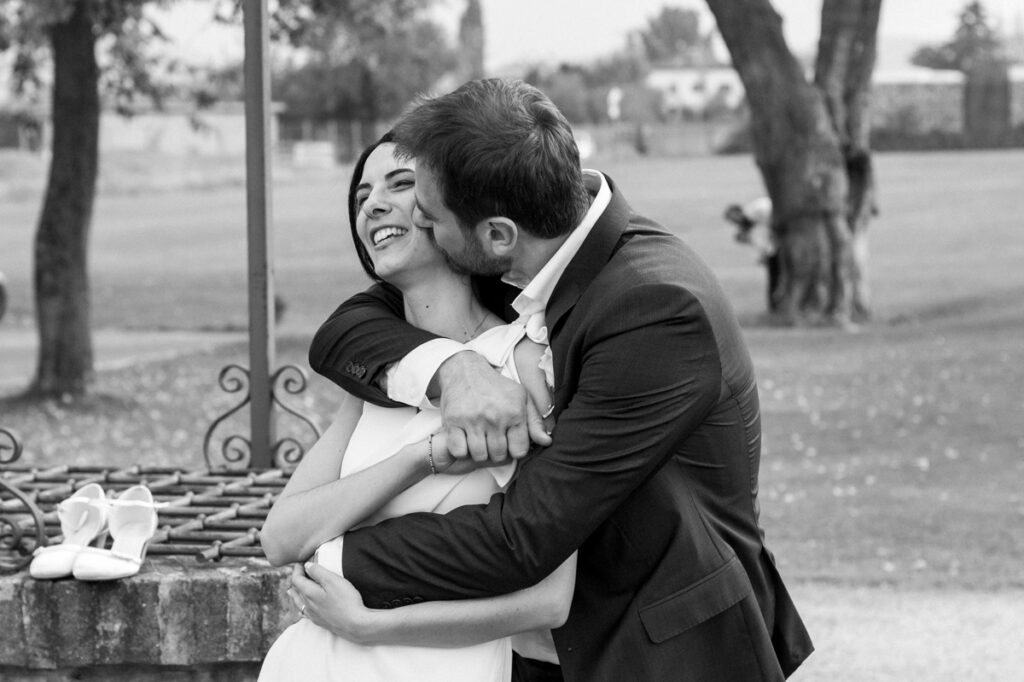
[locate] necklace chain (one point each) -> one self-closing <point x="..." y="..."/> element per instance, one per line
<point x="483" y="319"/>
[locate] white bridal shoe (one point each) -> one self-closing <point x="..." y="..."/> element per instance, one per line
<point x="132" y="521"/>
<point x="83" y="518"/>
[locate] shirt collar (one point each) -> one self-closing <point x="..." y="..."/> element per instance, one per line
<point x="534" y="298"/>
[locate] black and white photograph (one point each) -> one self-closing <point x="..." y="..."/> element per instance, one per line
<point x="537" y="341"/>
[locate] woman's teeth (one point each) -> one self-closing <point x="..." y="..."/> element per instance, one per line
<point x="386" y="233"/>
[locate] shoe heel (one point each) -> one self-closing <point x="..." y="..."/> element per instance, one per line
<point x="132" y="523"/>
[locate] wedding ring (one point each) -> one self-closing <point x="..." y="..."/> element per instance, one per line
<point x="302" y="611"/>
<point x="548" y="411"/>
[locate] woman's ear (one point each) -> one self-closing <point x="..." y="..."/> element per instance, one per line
<point x="497" y="235"/>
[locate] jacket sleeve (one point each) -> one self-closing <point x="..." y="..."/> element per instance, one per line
<point x="649" y="375"/>
<point x="361" y="338"/>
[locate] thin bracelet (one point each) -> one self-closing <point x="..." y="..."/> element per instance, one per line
<point x="430" y="454"/>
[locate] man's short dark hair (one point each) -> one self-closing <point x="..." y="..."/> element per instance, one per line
<point x="499" y="148"/>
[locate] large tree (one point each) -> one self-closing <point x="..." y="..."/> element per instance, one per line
<point x="62" y="36"/>
<point x="811" y="144"/>
<point x="472" y="41"/>
<point x="977" y="52"/>
<point x="381" y="52"/>
<point x="96" y="52"/>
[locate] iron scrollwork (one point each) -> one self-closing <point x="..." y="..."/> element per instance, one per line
<point x="236" y="450"/>
<point x="288" y="451"/>
<point x="22" y="529"/>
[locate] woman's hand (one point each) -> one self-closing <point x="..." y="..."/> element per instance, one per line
<point x="332" y="602"/>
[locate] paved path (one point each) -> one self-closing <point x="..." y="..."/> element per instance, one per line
<point x="876" y="634"/>
<point x="114" y="348"/>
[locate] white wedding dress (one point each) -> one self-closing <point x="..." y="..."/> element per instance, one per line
<point x="308" y="653"/>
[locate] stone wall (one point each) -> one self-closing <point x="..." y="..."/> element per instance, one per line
<point x="176" y="616"/>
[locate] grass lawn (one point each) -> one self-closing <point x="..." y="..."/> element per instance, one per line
<point x="893" y="456"/>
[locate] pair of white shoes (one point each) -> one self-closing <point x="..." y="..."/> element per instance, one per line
<point x="85" y="518"/>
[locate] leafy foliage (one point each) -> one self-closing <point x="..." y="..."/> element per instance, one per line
<point x="973" y="42"/>
<point x="125" y="36"/>
<point x="354" y="59"/>
<point x="674" y="36"/>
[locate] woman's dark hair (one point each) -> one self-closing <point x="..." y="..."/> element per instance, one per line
<point x="487" y="290"/>
<point x="353" y="208"/>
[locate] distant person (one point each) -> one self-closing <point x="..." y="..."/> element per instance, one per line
<point x="651" y="472"/>
<point x="753" y="221"/>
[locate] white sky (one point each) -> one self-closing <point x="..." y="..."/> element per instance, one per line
<point x="580" y="30"/>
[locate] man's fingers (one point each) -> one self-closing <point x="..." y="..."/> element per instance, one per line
<point x="477" y="443"/>
<point x="535" y="424"/>
<point x="518" y="441"/>
<point x="497" y="446"/>
<point x="455" y="440"/>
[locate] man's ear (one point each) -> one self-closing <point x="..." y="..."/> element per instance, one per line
<point x="497" y="235"/>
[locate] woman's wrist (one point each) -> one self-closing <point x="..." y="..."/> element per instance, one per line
<point x="430" y="455"/>
<point x="369" y="627"/>
<point x="418" y="459"/>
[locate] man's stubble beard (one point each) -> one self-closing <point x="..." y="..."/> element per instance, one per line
<point x="471" y="259"/>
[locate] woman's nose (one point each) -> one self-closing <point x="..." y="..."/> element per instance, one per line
<point x="375" y="206"/>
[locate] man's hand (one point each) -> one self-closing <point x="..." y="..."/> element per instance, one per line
<point x="486" y="415"/>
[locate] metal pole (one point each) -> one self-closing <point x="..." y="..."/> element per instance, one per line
<point x="259" y="212"/>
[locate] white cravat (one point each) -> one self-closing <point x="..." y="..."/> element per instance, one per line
<point x="531" y="316"/>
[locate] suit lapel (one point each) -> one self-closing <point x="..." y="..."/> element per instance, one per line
<point x="592" y="256"/>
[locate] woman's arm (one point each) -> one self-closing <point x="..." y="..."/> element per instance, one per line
<point x="528" y="358"/>
<point x="434" y="624"/>
<point x="316" y="505"/>
<point x="445" y="623"/>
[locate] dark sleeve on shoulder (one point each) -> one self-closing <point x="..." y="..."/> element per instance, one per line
<point x="361" y="338"/>
<point x="368" y="332"/>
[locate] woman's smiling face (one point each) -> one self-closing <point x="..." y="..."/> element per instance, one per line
<point x="385" y="199"/>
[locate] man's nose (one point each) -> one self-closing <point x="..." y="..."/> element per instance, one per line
<point x="419" y="220"/>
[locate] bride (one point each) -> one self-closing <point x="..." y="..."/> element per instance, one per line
<point x="379" y="462"/>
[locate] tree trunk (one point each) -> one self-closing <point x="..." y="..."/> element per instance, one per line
<point x="846" y="61"/>
<point x="65" y="363"/>
<point x="800" y="154"/>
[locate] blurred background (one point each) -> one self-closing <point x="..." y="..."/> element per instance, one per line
<point x="894" y="423"/>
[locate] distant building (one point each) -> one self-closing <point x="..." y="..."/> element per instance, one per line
<point x="689" y="92"/>
<point x="913" y="98"/>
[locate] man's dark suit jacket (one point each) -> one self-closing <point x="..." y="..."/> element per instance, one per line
<point x="652" y="475"/>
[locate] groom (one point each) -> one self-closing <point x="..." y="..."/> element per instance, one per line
<point x="652" y="469"/>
